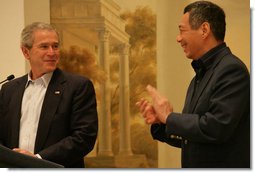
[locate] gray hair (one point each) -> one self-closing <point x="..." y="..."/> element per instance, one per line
<point x="27" y="38"/>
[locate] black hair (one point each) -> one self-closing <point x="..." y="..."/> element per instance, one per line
<point x="205" y="11"/>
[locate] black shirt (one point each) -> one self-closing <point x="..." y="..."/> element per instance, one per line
<point x="204" y="63"/>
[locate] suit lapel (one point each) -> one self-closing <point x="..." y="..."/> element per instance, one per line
<point x="206" y="78"/>
<point x="189" y="97"/>
<point x="49" y="107"/>
<point x="200" y="90"/>
<point x="16" y="111"/>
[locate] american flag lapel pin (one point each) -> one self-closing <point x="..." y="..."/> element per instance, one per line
<point x="57" y="92"/>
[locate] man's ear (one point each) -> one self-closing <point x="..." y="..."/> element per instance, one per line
<point x="205" y="29"/>
<point x="25" y="52"/>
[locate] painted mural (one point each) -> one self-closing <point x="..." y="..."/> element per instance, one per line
<point x="113" y="42"/>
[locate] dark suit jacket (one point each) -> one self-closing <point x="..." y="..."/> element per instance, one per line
<point x="215" y="125"/>
<point x="68" y="124"/>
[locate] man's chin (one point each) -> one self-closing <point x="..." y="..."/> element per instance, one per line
<point x="50" y="69"/>
<point x="188" y="56"/>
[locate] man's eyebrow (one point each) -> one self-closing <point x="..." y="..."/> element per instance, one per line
<point x="46" y="43"/>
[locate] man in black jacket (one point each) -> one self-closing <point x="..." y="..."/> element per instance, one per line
<point x="48" y="113"/>
<point x="213" y="129"/>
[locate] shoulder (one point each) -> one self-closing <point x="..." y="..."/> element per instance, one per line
<point x="231" y="71"/>
<point x="17" y="82"/>
<point x="230" y="62"/>
<point x="69" y="76"/>
<point x="71" y="79"/>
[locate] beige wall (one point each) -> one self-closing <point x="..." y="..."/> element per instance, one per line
<point x="174" y="70"/>
<point x="11" y="17"/>
<point x="14" y="15"/>
<point x="36" y="11"/>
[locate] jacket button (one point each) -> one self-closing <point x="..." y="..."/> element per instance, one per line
<point x="185" y="141"/>
<point x="172" y="136"/>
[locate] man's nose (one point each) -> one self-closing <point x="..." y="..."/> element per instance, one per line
<point x="52" y="49"/>
<point x="178" y="38"/>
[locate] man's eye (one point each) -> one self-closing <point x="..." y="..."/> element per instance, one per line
<point x="55" y="46"/>
<point x="43" y="46"/>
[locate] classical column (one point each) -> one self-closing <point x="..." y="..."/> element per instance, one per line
<point x="104" y="135"/>
<point x="125" y="138"/>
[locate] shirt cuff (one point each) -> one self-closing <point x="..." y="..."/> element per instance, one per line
<point x="38" y="156"/>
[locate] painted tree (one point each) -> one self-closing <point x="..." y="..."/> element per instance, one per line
<point x="141" y="26"/>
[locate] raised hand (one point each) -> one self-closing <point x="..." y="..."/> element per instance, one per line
<point x="160" y="104"/>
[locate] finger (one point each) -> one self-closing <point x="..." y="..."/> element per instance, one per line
<point x="149" y="120"/>
<point x="16" y="149"/>
<point x="148" y="109"/>
<point x="143" y="105"/>
<point x="155" y="95"/>
<point x="138" y="104"/>
<point x="145" y="111"/>
<point x="19" y="150"/>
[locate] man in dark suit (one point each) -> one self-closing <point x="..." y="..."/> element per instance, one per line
<point x="48" y="113"/>
<point x="214" y="128"/>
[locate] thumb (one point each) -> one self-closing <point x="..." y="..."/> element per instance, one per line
<point x="153" y="92"/>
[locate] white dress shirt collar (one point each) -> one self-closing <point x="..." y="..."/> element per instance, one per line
<point x="44" y="78"/>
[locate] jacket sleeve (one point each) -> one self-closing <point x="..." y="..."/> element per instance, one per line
<point x="158" y="132"/>
<point x="1" y="117"/>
